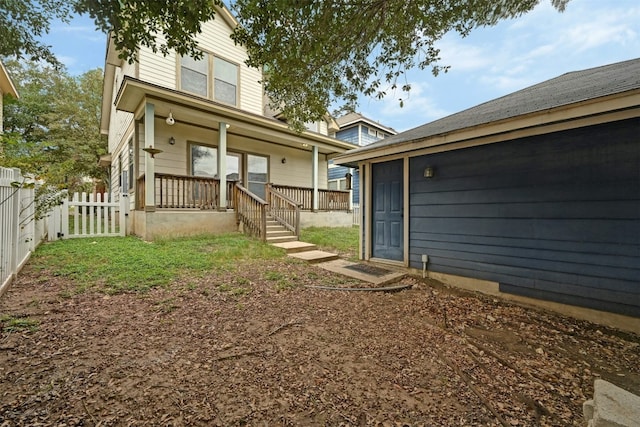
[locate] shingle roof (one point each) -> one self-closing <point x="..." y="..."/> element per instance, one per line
<point x="566" y="89"/>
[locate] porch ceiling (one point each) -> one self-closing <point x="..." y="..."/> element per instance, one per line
<point x="196" y="111"/>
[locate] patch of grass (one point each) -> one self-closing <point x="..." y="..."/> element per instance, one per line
<point x="273" y="275"/>
<point x="127" y="264"/>
<point x="10" y="323"/>
<point x="343" y="240"/>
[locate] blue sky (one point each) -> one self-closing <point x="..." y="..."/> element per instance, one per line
<point x="489" y="63"/>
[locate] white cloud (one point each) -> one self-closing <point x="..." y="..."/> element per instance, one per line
<point x="68" y="61"/>
<point x="418" y="107"/>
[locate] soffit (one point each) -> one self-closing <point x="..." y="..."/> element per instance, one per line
<point x="197" y="111"/>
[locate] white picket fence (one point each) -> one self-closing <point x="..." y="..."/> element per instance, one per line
<point x="356" y="214"/>
<point x="20" y="233"/>
<point x="88" y="215"/>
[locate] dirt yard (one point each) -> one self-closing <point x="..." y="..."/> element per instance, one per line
<point x="248" y="350"/>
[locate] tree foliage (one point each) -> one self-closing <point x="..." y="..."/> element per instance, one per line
<point x="322" y="53"/>
<point x="315" y="53"/>
<point x="53" y="130"/>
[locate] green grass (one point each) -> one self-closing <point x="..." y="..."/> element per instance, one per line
<point x="17" y="324"/>
<point x="341" y="239"/>
<point x="128" y="264"/>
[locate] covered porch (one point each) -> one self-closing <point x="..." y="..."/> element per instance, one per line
<point x="215" y="166"/>
<point x="191" y="205"/>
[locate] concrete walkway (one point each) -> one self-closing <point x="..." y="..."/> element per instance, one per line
<point x="331" y="262"/>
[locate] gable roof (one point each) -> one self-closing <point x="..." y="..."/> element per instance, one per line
<point x="6" y="85"/>
<point x="509" y="112"/>
<point x="354" y="118"/>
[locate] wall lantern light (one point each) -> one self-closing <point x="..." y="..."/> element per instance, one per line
<point x="429" y="172"/>
<point x="172" y="141"/>
<point x="284" y="160"/>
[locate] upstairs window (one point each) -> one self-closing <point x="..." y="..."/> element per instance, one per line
<point x="225" y="77"/>
<point x="210" y="77"/>
<point x="194" y="75"/>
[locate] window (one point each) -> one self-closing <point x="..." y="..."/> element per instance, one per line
<point x="257" y="174"/>
<point x="124" y="183"/>
<point x="131" y="160"/>
<point x="194" y="74"/>
<point x="204" y="161"/>
<point x="225" y="77"/>
<point x="371" y="132"/>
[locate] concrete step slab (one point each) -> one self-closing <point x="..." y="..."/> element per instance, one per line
<point x="341" y="266"/>
<point x="314" y="256"/>
<point x="294" y="247"/>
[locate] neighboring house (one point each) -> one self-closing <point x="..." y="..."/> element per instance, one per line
<point x="183" y="132"/>
<point x="536" y="193"/>
<point x="358" y="130"/>
<point x="6" y="88"/>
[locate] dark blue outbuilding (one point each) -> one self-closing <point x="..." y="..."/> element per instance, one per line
<point x="537" y="192"/>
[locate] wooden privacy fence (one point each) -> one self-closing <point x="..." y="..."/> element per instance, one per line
<point x="89" y="215"/>
<point x="20" y="232"/>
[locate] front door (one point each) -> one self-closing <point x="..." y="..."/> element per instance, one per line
<point x="387" y="205"/>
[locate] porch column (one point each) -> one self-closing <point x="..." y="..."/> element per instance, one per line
<point x="314" y="177"/>
<point x="222" y="164"/>
<point x="353" y="175"/>
<point x="149" y="162"/>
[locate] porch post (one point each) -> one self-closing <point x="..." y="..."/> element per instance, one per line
<point x="222" y="164"/>
<point x="314" y="177"/>
<point x="149" y="163"/>
<point x="353" y="174"/>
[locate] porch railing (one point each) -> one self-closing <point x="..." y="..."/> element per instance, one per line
<point x="251" y="211"/>
<point x="283" y="209"/>
<point x="328" y="200"/>
<point x="185" y="192"/>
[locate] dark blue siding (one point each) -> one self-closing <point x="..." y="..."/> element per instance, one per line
<point x="337" y="173"/>
<point x="349" y="135"/>
<point x="555" y="216"/>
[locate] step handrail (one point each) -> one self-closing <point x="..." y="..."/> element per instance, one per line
<point x="251" y="211"/>
<point x="284" y="209"/>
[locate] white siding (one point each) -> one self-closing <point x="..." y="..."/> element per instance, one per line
<point x="174" y="159"/>
<point x="215" y="39"/>
<point x="157" y="69"/>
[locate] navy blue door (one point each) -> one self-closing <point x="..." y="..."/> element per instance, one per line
<point x="387" y="215"/>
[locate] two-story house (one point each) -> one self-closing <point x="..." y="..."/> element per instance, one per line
<point x="6" y="88"/>
<point x="195" y="148"/>
<point x="360" y="131"/>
